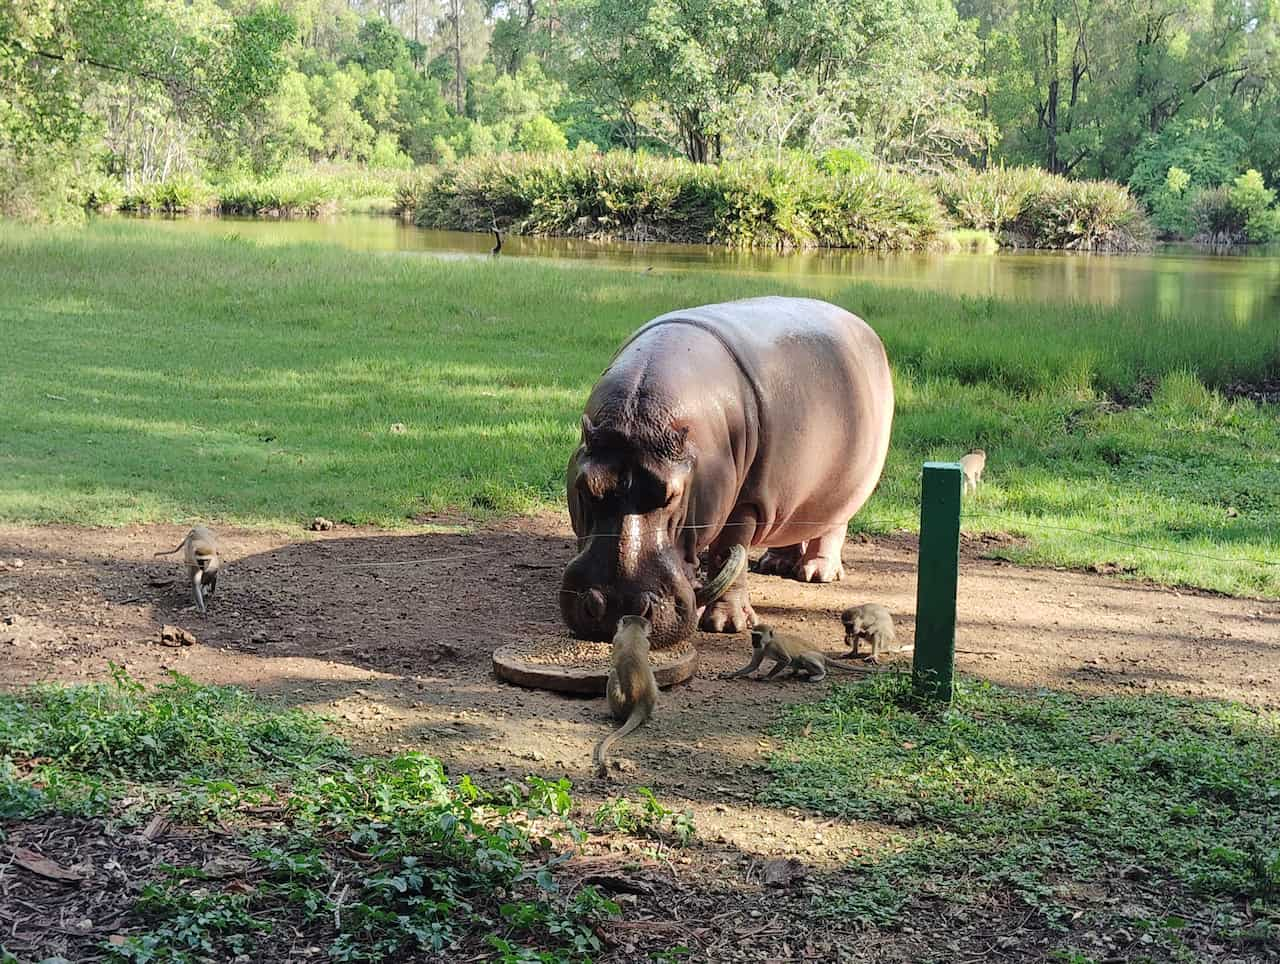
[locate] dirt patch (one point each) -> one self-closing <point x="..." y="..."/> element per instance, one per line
<point x="1266" y="391"/>
<point x="391" y="635"/>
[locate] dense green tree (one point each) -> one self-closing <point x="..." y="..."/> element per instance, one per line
<point x="1078" y="86"/>
<point x="1178" y="98"/>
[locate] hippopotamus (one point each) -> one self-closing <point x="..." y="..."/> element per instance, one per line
<point x="755" y="423"/>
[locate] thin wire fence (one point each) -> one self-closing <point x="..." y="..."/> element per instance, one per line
<point x="1008" y="521"/>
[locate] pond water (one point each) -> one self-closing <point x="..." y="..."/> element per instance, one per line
<point x="1174" y="280"/>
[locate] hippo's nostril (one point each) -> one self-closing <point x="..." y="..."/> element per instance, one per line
<point x="593" y="602"/>
<point x="639" y="604"/>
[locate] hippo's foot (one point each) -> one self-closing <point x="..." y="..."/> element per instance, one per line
<point x="815" y="560"/>
<point x="782" y="561"/>
<point x="731" y="613"/>
<point x="821" y="561"/>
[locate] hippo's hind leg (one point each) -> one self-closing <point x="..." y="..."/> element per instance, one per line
<point x="782" y="561"/>
<point x="821" y="560"/>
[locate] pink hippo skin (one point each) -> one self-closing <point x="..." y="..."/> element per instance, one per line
<point x="762" y="422"/>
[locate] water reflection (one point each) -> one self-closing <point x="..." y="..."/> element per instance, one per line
<point x="1243" y="286"/>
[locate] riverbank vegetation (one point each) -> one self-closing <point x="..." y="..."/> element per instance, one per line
<point x="159" y="97"/>
<point x="308" y="192"/>
<point x="794" y="203"/>
<point x="154" y="377"/>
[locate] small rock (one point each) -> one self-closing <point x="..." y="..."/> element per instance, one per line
<point x="397" y="428"/>
<point x="783" y="871"/>
<point x="16" y="563"/>
<point x="1232" y="512"/>
<point x="321" y="524"/>
<point x="535" y="755"/>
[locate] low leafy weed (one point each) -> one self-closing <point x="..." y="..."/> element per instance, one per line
<point x="648" y="817"/>
<point x="74" y="740"/>
<point x="381" y="858"/>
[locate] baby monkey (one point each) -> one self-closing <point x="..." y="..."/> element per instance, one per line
<point x="200" y="554"/>
<point x="971" y="467"/>
<point x="869" y="621"/>
<point x="632" y="689"/>
<point x="787" y="652"/>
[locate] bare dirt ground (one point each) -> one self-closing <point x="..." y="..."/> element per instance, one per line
<point x="391" y="636"/>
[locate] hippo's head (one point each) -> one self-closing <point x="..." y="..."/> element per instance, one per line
<point x="629" y="500"/>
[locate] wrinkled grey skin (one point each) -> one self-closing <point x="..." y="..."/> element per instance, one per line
<point x="762" y="422"/>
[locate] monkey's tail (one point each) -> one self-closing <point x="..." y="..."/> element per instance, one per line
<point x="601" y="755"/>
<point x="845" y="668"/>
<point x="174" y="549"/>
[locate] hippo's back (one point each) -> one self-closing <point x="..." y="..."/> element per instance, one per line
<point x="824" y="398"/>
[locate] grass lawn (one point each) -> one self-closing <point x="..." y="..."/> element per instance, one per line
<point x="283" y="838"/>
<point x="153" y="377"/>
<point x="1047" y="795"/>
<point x="432" y="863"/>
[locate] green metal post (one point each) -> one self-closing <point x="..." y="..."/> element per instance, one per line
<point x="935" y="654"/>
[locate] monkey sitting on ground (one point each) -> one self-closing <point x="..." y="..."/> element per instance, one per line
<point x="787" y="651"/>
<point x="632" y="689"/>
<point x="971" y="466"/>
<point x="870" y="621"/>
<point x="200" y="554"/>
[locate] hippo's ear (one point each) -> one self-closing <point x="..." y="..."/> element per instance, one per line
<point x="588" y="430"/>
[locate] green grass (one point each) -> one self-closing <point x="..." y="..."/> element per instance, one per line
<point x="154" y="377"/>
<point x="1040" y="792"/>
<point x="1053" y="806"/>
<point x="430" y="862"/>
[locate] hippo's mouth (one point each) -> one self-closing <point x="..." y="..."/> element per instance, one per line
<point x="673" y="607"/>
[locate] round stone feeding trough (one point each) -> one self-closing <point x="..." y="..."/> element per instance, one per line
<point x="582" y="666"/>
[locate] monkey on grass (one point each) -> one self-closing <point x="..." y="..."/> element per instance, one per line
<point x="971" y="467"/>
<point x="788" y="652"/>
<point x="632" y="689"/>
<point x="200" y="555"/>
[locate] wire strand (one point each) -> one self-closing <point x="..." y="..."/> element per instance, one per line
<point x="970" y="515"/>
<point x="1120" y="542"/>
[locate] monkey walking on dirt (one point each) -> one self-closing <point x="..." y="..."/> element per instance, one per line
<point x="788" y="652"/>
<point x="632" y="689"/>
<point x="200" y="555"/>
<point x="871" y="622"/>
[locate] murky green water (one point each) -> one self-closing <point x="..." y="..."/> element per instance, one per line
<point x="1241" y="287"/>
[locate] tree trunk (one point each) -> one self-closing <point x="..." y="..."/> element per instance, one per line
<point x="457" y="56"/>
<point x="1051" y="110"/>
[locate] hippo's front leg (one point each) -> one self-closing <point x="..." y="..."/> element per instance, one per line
<point x="732" y="612"/>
